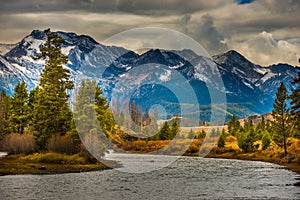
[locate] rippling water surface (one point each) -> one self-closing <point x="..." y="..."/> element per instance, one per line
<point x="186" y="178"/>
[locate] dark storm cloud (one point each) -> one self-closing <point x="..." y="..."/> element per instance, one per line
<point x="183" y="23"/>
<point x="217" y="25"/>
<point x="153" y="7"/>
<point x="206" y="33"/>
<point x="165" y="7"/>
<point x="279" y="6"/>
<point x="31" y="6"/>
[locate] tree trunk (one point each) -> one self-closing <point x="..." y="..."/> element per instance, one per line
<point x="284" y="145"/>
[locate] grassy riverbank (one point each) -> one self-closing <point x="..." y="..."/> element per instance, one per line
<point x="49" y="163"/>
<point x="257" y="156"/>
<point x="273" y="154"/>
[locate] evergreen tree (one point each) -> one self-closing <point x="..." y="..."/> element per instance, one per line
<point x="84" y="108"/>
<point x="260" y="128"/>
<point x="221" y="141"/>
<point x="280" y="114"/>
<point x="174" y="130"/>
<point x="246" y="139"/>
<point x="233" y="126"/>
<point x="91" y="110"/>
<point x="248" y="125"/>
<point x="104" y="115"/>
<point x="19" y="109"/>
<point x="52" y="114"/>
<point x="164" y="132"/>
<point x="31" y="103"/>
<point x="295" y="104"/>
<point x="202" y="134"/>
<point x="4" y="113"/>
<point x="266" y="140"/>
<point x="223" y="132"/>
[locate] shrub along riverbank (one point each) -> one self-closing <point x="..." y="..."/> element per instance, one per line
<point x="265" y="156"/>
<point x="50" y="162"/>
<point x="231" y="150"/>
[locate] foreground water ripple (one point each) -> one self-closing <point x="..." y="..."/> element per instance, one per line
<point x="186" y="178"/>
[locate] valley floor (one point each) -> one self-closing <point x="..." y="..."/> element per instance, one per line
<point x="48" y="163"/>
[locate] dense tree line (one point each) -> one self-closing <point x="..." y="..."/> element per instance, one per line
<point x="45" y="111"/>
<point x="285" y="123"/>
<point x="167" y="132"/>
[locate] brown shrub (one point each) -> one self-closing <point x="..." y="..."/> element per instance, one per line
<point x="16" y="143"/>
<point x="193" y="148"/>
<point x="62" y="144"/>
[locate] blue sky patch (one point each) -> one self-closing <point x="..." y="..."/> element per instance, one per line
<point x="244" y="1"/>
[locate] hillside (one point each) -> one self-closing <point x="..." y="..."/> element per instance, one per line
<point x="155" y="77"/>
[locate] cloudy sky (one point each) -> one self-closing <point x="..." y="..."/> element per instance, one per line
<point x="265" y="31"/>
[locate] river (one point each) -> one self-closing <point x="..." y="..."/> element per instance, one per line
<point x="185" y="178"/>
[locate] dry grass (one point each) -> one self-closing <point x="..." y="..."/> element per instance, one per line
<point x="16" y="143"/>
<point x="62" y="144"/>
<point x="273" y="154"/>
<point x="168" y="147"/>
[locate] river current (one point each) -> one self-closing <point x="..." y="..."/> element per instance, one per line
<point x="184" y="178"/>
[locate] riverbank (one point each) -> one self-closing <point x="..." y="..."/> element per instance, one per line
<point x="293" y="166"/>
<point x="274" y="154"/>
<point x="43" y="163"/>
<point x="21" y="164"/>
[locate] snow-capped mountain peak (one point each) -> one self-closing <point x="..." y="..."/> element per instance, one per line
<point x="249" y="88"/>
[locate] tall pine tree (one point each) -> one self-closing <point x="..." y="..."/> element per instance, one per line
<point x="89" y="102"/>
<point x="19" y="109"/>
<point x="104" y="115"/>
<point x="164" y="132"/>
<point x="4" y="113"/>
<point x="174" y="130"/>
<point x="84" y="108"/>
<point x="32" y="101"/>
<point x="92" y="116"/>
<point x="52" y="114"/>
<point x="295" y="104"/>
<point x="280" y="114"/>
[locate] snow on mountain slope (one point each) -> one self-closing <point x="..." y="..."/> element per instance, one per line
<point x="83" y="52"/>
<point x="246" y="85"/>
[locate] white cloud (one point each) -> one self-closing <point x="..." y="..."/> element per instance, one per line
<point x="218" y="25"/>
<point x="264" y="49"/>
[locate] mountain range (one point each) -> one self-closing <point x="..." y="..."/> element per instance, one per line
<point x="249" y="88"/>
